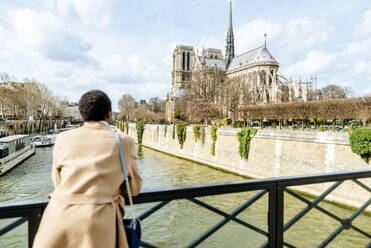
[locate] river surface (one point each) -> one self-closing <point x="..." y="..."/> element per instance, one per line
<point x="180" y="222"/>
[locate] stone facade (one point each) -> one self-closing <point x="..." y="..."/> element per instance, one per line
<point x="257" y="68"/>
<point x="272" y="154"/>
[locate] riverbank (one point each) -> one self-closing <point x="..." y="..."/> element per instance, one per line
<point x="272" y="154"/>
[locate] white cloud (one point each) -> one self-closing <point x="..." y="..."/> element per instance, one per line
<point x="366" y="92"/>
<point x="314" y="62"/>
<point x="97" y="13"/>
<point x="49" y="35"/>
<point x="291" y="36"/>
<point x="362" y="69"/>
<point x="362" y="47"/>
<point x="365" y="26"/>
<point x="303" y="33"/>
<point x="251" y="35"/>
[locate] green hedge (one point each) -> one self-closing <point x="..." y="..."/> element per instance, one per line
<point x="360" y="142"/>
<point x="244" y="137"/>
<point x="181" y="131"/>
<point x="140" y="129"/>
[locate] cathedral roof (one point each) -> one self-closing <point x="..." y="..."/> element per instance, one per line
<point x="255" y="56"/>
<point x="219" y="63"/>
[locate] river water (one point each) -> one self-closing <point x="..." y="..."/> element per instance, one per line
<point x="180" y="222"/>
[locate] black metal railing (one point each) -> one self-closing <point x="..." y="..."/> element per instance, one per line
<point x="273" y="187"/>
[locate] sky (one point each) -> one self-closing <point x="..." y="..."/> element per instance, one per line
<point x="125" y="46"/>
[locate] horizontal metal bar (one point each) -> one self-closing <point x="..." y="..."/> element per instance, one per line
<point x="246" y="185"/>
<point x="13" y="225"/>
<point x="215" y="189"/>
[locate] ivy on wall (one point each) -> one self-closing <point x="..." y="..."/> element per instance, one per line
<point x="244" y="137"/>
<point x="165" y="132"/>
<point x="140" y="129"/>
<point x="196" y="131"/>
<point x="173" y="134"/>
<point x="213" y="137"/>
<point x="181" y="131"/>
<point x="360" y="142"/>
<point x="350" y="129"/>
<point x="127" y="128"/>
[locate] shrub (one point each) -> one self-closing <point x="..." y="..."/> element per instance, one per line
<point x="140" y="129"/>
<point x="213" y="137"/>
<point x="360" y="142"/>
<point x="181" y="131"/>
<point x="351" y="129"/>
<point x="244" y="137"/>
<point x="196" y="131"/>
<point x="321" y="128"/>
<point x="178" y="115"/>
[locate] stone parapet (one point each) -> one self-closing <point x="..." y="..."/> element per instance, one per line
<point x="273" y="153"/>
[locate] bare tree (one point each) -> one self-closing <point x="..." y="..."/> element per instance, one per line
<point x="126" y="105"/>
<point x="335" y="91"/>
<point x="203" y="92"/>
<point x="155" y="102"/>
<point x="233" y="93"/>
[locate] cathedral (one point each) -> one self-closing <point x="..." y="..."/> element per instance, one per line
<point x="258" y="69"/>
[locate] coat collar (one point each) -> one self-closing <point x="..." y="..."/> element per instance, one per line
<point x="96" y="124"/>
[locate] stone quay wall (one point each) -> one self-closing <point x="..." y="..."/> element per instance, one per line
<point x="273" y="153"/>
<point x="24" y="127"/>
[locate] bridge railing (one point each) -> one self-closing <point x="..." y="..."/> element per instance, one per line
<point x="273" y="187"/>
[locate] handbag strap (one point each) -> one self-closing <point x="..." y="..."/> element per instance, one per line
<point x="125" y="171"/>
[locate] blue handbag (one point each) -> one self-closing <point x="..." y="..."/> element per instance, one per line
<point x="133" y="227"/>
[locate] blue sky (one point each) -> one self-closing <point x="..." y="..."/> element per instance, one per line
<point x="126" y="46"/>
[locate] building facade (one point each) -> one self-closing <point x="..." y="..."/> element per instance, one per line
<point x="257" y="68"/>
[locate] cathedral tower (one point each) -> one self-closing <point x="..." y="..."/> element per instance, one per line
<point x="229" y="46"/>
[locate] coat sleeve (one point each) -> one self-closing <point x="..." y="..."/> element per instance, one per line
<point x="130" y="157"/>
<point x="56" y="177"/>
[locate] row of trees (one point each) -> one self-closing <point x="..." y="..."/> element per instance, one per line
<point x="332" y="109"/>
<point x="28" y="98"/>
<point x="211" y="95"/>
<point x="131" y="110"/>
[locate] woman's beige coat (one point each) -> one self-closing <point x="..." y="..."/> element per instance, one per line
<point x="85" y="209"/>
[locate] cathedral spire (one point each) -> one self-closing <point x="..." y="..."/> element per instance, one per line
<point x="229" y="46"/>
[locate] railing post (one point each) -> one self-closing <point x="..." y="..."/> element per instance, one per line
<point x="33" y="225"/>
<point x="279" y="215"/>
<point x="275" y="217"/>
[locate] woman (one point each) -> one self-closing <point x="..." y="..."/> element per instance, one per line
<point x="86" y="208"/>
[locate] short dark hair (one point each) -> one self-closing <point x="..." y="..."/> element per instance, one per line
<point x="94" y="105"/>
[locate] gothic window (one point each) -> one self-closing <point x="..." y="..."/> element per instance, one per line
<point x="183" y="61"/>
<point x="188" y="61"/>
